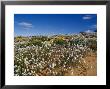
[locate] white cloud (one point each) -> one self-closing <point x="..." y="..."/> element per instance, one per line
<point x="25" y="25"/>
<point x="88" y="31"/>
<point x="87" y="17"/>
<point x="94" y="26"/>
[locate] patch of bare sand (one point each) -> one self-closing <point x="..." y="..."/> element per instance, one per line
<point x="86" y="67"/>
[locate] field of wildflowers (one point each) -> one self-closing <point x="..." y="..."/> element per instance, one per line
<point x="51" y="55"/>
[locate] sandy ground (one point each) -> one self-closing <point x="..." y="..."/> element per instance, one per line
<point x="86" y="67"/>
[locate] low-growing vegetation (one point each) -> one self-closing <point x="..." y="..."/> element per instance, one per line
<point x="51" y="55"/>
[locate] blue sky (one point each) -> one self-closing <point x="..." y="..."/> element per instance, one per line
<point x="52" y="24"/>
